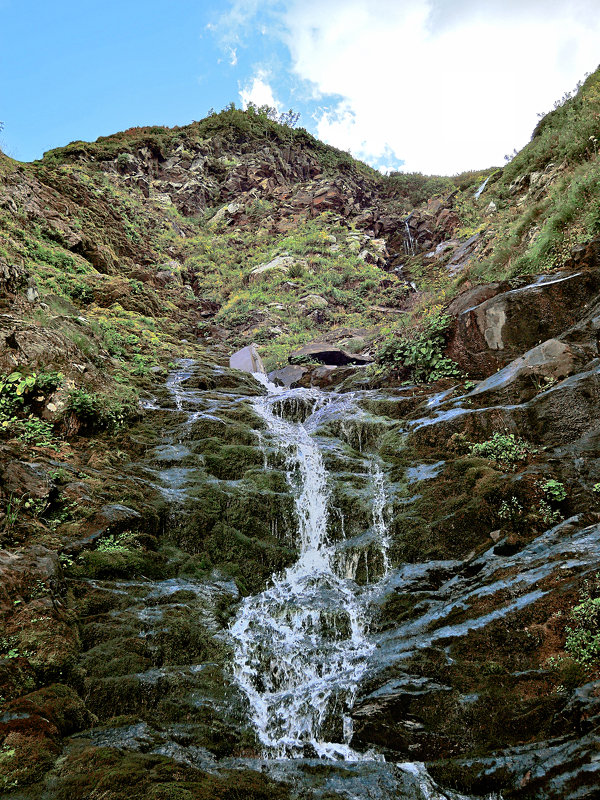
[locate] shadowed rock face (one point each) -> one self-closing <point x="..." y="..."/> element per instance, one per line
<point x="492" y="331"/>
<point x="326" y="354"/>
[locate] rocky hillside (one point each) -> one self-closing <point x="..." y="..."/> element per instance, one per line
<point x="455" y="322"/>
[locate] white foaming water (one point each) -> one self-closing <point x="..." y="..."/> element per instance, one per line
<point x="301" y="645"/>
<point x="379" y="506"/>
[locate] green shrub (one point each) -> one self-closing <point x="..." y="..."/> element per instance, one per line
<point x="511" y="511"/>
<point x="420" y="351"/>
<point x="47" y="382"/>
<point x="116" y="542"/>
<point x="295" y="271"/>
<point x="17" y="392"/>
<point x="35" y="431"/>
<point x="124" y="159"/>
<point x="99" y="411"/>
<point x="549" y="515"/>
<point x="410" y="189"/>
<point x="583" y="638"/>
<point x="81" y="292"/>
<point x="116" y="343"/>
<point x="14" y="388"/>
<point x="504" y="448"/>
<point x="554" y="491"/>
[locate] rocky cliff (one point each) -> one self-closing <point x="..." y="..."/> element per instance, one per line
<point x="453" y="325"/>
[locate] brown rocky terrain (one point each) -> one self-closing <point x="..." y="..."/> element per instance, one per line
<point x="457" y="339"/>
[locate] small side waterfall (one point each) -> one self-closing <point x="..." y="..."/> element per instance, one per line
<point x="301" y="646"/>
<point x="379" y="521"/>
<point x="481" y="188"/>
<point x="408" y="239"/>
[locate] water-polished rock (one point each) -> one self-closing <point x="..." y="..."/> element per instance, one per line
<point x="523" y="378"/>
<point x="287" y="376"/>
<point x="492" y="331"/>
<point x="247" y="359"/>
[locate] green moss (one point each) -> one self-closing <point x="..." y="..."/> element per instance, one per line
<point x="232" y="461"/>
<point x="451" y="515"/>
<point x="135" y="776"/>
<point x="121" y="563"/>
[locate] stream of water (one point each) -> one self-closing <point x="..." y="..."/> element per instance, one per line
<point x="301" y="646"/>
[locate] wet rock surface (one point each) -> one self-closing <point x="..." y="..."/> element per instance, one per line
<point x="491" y="332"/>
<point x="458" y="624"/>
<point x="180" y="631"/>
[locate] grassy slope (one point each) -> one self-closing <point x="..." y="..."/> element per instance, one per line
<point x="535" y="233"/>
<point x="141" y="323"/>
<point x="547" y="201"/>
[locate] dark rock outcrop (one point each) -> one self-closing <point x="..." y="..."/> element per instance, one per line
<point x="491" y="332"/>
<point x="326" y="354"/>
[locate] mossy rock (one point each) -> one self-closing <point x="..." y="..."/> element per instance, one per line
<point x="231" y="461"/>
<point x="24" y="759"/>
<point x="251" y="561"/>
<point x="452" y="514"/>
<point x="115" y="775"/>
<point x="57" y="703"/>
<point x="122" y="563"/>
<point x="240" y="527"/>
<point x="116" y="657"/>
<point x="223" y="431"/>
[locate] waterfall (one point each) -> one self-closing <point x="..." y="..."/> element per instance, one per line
<point x="409" y="242"/>
<point x="301" y="646"/>
<point x="480" y="189"/>
<point x="379" y="522"/>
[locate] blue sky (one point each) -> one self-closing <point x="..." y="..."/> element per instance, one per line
<point x="79" y="70"/>
<point x="433" y="85"/>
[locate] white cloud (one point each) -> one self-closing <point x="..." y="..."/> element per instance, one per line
<point x="259" y="92"/>
<point x="444" y="86"/>
<point x="232" y="27"/>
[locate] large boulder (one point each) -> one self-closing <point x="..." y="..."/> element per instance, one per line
<point x="12" y="278"/>
<point x="565" y="412"/>
<point x="281" y="264"/>
<point x="247" y="359"/>
<point x="525" y="376"/>
<point x="490" y="333"/>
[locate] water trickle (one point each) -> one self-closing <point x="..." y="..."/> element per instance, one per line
<point x="301" y="646"/>
<point x="408" y="239"/>
<point x="481" y="188"/>
<point x="379" y="521"/>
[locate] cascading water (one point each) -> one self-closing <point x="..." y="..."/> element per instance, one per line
<point x="481" y="188"/>
<point x="301" y="648"/>
<point x="301" y="645"/>
<point x="379" y="522"/>
<point x="409" y="242"/>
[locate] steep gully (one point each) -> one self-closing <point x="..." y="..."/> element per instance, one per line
<point x="308" y="666"/>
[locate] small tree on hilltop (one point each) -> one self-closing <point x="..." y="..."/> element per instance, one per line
<point x="288" y="118"/>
